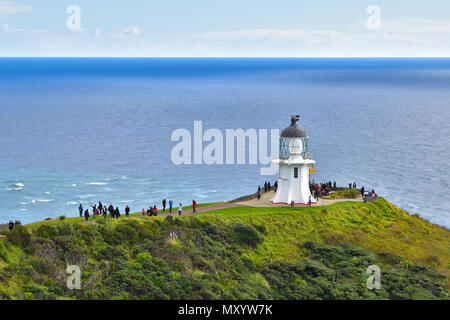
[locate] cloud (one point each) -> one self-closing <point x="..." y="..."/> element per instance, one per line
<point x="390" y="29"/>
<point x="401" y="37"/>
<point x="132" y="30"/>
<point x="415" y="26"/>
<point x="10" y="7"/>
<point x="315" y="37"/>
<point x="7" y="28"/>
<point x="262" y="34"/>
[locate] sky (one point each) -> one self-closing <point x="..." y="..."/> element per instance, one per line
<point x="231" y="28"/>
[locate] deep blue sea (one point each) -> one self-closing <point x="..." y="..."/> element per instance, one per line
<point x="84" y="130"/>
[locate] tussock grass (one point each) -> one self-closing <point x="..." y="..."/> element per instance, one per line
<point x="377" y="226"/>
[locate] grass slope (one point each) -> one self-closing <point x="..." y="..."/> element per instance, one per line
<point x="378" y="226"/>
<point x="234" y="253"/>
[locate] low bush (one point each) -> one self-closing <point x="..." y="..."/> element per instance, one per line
<point x="247" y="234"/>
<point x="345" y="194"/>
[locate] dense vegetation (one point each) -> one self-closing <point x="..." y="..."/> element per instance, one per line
<point x="234" y="253"/>
<point x="345" y="194"/>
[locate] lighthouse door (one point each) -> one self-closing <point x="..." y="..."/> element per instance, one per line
<point x="283" y="172"/>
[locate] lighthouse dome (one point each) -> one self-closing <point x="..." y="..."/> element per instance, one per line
<point x="293" y="131"/>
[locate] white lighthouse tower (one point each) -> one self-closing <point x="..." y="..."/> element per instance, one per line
<point x="293" y="166"/>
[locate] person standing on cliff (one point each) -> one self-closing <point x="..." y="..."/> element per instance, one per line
<point x="258" y="193"/>
<point x="127" y="211"/>
<point x="362" y="191"/>
<point x="170" y="205"/>
<point x="180" y="209"/>
<point x="111" y="210"/>
<point x="86" y="215"/>
<point x="194" y="206"/>
<point x="164" y="205"/>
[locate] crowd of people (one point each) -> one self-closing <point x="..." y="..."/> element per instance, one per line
<point x="267" y="188"/>
<point x="322" y="189"/>
<point x="110" y="211"/>
<point x="318" y="189"/>
<point x="12" y="224"/>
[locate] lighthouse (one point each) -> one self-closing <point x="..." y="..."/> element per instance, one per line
<point x="294" y="166"/>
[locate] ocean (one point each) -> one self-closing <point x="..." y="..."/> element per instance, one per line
<point x="83" y="130"/>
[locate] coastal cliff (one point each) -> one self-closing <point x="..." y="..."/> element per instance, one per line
<point x="237" y="252"/>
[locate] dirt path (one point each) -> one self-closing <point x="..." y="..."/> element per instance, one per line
<point x="200" y="208"/>
<point x="251" y="202"/>
<point x="267" y="196"/>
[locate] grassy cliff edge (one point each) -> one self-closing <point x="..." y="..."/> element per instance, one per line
<point x="232" y="253"/>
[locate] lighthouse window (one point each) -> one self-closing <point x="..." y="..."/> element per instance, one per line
<point x="295" y="172"/>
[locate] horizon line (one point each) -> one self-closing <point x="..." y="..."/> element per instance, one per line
<point x="225" y="57"/>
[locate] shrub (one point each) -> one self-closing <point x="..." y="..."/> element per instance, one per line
<point x="46" y="231"/>
<point x="169" y="220"/>
<point x="61" y="218"/>
<point x="125" y="232"/>
<point x="345" y="194"/>
<point x="261" y="228"/>
<point x="19" y="236"/>
<point x="247" y="234"/>
<point x="3" y="252"/>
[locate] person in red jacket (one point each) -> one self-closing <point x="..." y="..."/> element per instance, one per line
<point x="194" y="206"/>
<point x="155" y="210"/>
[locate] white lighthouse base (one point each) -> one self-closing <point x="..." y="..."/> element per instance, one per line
<point x="293" y="183"/>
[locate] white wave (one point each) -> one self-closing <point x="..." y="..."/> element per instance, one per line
<point x="124" y="177"/>
<point x="213" y="190"/>
<point x="45" y="200"/>
<point x="97" y="183"/>
<point x="74" y="185"/>
<point x="47" y="192"/>
<point x="23" y="203"/>
<point x="19" y="184"/>
<point x="84" y="196"/>
<point x="71" y="202"/>
<point x="23" y="209"/>
<point x="128" y="201"/>
<point x="14" y="189"/>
